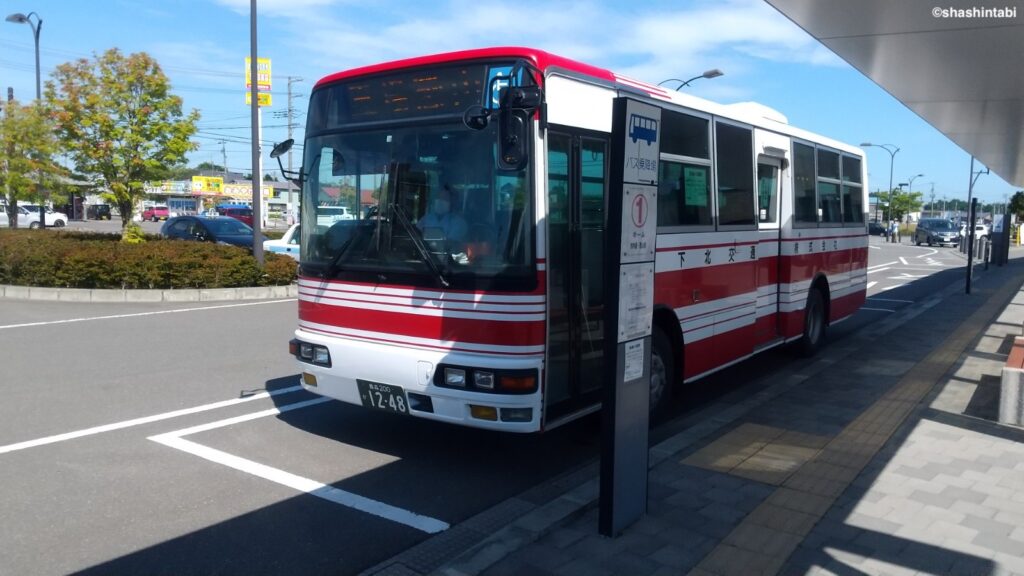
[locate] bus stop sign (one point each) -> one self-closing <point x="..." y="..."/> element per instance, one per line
<point x="630" y="227"/>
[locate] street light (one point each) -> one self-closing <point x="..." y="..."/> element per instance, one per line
<point x="892" y="149"/>
<point x="713" y="73"/>
<point x="37" y="26"/>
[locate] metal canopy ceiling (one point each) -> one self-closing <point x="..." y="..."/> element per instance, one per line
<point x="964" y="76"/>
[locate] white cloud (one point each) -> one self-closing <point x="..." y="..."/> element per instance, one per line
<point x="653" y="43"/>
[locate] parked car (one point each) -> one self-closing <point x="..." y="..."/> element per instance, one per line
<point x="219" y="229"/>
<point x="239" y="212"/>
<point x="876" y="229"/>
<point x="287" y="245"/>
<point x="51" y="218"/>
<point x="25" y="219"/>
<point x="981" y="231"/>
<point x="936" y="231"/>
<point x="98" y="212"/>
<point x="327" y="215"/>
<point x="156" y="213"/>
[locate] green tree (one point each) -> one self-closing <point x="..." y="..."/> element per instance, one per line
<point x="117" y="118"/>
<point x="27" y="150"/>
<point x="904" y="203"/>
<point x="1017" y="205"/>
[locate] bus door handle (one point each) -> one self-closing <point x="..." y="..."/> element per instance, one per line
<point x="696" y="295"/>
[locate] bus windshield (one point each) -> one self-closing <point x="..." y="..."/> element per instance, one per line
<point x="416" y="204"/>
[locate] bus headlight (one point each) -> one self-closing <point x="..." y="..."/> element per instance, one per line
<point x="520" y="381"/>
<point x="455" y="377"/>
<point x="312" y="353"/>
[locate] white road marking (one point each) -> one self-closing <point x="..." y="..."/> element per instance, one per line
<point x="154" y="313"/>
<point x="878" y="270"/>
<point x="891" y="300"/>
<point x="870" y="284"/>
<point x="905" y="276"/>
<point x="904" y="261"/>
<point x="877" y="309"/>
<point x="143" y="420"/>
<point x="890" y="287"/>
<point x="874" y="247"/>
<point x="880" y="265"/>
<point x="933" y="251"/>
<point x="311" y="487"/>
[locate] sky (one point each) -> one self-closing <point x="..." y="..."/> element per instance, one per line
<point x="201" y="46"/>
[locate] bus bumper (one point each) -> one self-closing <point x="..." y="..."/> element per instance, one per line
<point x="412" y="369"/>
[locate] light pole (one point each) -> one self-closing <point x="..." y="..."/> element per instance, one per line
<point x="910" y="183"/>
<point x="712" y="73"/>
<point x="892" y="149"/>
<point x="37" y="26"/>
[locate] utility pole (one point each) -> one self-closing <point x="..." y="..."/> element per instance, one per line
<point x="224" y="157"/>
<point x="291" y="118"/>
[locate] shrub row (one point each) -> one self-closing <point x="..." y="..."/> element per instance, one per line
<point x="89" y="260"/>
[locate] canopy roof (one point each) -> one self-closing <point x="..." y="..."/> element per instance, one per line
<point x="962" y="72"/>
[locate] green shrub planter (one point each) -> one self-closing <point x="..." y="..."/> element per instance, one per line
<point x="95" y="260"/>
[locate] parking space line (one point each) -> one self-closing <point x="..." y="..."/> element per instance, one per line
<point x="137" y="314"/>
<point x="870" y="285"/>
<point x="876" y="309"/>
<point x="880" y="265"/>
<point x="877" y="270"/>
<point x="904" y="261"/>
<point x="873" y="298"/>
<point x="144" y="420"/>
<point x="312" y="487"/>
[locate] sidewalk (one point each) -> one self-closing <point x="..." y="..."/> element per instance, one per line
<point x="879" y="457"/>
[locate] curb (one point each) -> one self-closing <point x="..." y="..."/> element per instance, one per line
<point x="8" y="292"/>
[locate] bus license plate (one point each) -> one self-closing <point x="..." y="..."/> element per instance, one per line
<point x="383" y="397"/>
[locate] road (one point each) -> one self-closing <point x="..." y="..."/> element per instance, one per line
<point x="171" y="439"/>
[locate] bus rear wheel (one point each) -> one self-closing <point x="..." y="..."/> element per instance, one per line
<point x="814" y="323"/>
<point x="662" y="374"/>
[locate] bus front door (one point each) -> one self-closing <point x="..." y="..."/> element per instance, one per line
<point x="577" y="184"/>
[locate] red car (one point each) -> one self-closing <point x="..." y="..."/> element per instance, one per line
<point x="156" y="213"/>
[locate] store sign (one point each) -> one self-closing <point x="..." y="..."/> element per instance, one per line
<point x="208" y="184"/>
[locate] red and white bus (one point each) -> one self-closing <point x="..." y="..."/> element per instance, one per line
<point x="468" y="287"/>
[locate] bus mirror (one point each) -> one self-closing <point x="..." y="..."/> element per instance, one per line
<point x="512" y="153"/>
<point x="476" y="117"/>
<point x="282" y="148"/>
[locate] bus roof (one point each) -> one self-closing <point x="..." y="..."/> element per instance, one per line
<point x="752" y="113"/>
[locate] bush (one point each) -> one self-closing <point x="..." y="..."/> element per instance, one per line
<point x="91" y="260"/>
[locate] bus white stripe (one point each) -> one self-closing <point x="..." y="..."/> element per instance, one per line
<point x="311" y="296"/>
<point x="424" y="311"/>
<point x="421" y="293"/>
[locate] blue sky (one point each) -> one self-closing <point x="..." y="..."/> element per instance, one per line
<point x="202" y="43"/>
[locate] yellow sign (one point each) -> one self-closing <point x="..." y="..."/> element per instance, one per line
<point x="214" y="184"/>
<point x="245" y="190"/>
<point x="264" y="98"/>
<point x="262" y="74"/>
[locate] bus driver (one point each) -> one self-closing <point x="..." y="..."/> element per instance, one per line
<point x="452" y="226"/>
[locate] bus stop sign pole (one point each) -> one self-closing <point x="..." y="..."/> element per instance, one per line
<point x="630" y="227"/>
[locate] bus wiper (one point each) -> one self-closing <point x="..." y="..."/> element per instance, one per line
<point x="332" y="266"/>
<point x="417" y="241"/>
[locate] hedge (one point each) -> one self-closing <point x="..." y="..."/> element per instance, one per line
<point x="65" y="259"/>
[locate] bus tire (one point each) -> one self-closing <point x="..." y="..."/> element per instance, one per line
<point x="662" y="374"/>
<point x="814" y="323"/>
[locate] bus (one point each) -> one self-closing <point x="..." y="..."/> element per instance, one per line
<point x="473" y="293"/>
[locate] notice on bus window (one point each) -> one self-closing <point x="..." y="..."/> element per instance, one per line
<point x="695" y="183"/>
<point x="636" y="300"/>
<point x="634" y="367"/>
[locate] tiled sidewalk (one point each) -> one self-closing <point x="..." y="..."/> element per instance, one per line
<point x="878" y="457"/>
